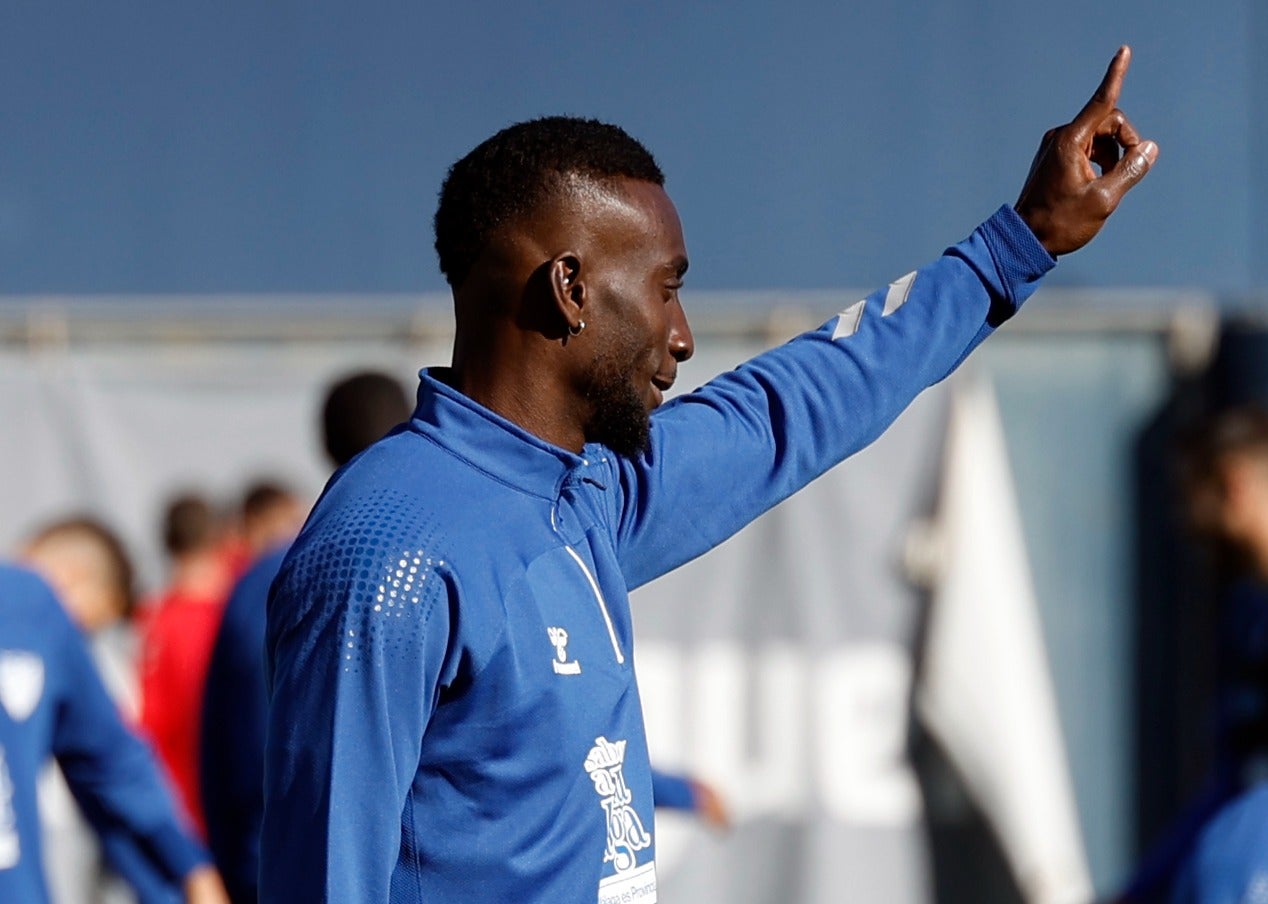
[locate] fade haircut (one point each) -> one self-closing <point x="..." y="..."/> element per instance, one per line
<point x="509" y="176"/>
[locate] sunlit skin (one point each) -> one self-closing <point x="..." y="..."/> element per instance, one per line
<point x="1064" y="201"/>
<point x="1242" y="517"/>
<point x="79" y="572"/>
<point x="608" y="254"/>
<point x="276" y="525"/>
<point x="632" y="286"/>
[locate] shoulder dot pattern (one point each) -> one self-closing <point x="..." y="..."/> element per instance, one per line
<point x="369" y="574"/>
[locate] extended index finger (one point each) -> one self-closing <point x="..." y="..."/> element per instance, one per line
<point x="1105" y="99"/>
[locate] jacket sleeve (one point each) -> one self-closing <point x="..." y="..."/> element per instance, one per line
<point x="356" y="652"/>
<point x="114" y="776"/>
<point x="722" y="455"/>
<point x="672" y="791"/>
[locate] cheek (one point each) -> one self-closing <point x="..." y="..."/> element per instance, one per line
<point x="639" y="327"/>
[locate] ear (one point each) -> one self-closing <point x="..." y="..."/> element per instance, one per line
<point x="568" y="287"/>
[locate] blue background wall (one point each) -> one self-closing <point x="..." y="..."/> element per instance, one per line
<point x="287" y="146"/>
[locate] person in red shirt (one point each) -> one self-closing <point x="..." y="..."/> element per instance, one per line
<point x="177" y="641"/>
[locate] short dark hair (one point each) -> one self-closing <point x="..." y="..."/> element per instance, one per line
<point x="190" y="523"/>
<point x="262" y="495"/>
<point x="358" y="410"/>
<point x="508" y="176"/>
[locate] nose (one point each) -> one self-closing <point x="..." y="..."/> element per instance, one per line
<point x="682" y="345"/>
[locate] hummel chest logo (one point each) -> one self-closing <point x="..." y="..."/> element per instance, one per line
<point x="559" y="639"/>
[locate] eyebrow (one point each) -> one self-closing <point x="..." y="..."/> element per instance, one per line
<point x="678" y="266"/>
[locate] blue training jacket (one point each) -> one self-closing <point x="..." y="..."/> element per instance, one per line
<point x="454" y="715"/>
<point x="235" y="712"/>
<point x="52" y="703"/>
<point x="1229" y="864"/>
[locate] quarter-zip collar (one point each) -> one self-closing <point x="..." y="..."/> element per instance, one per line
<point x="508" y="453"/>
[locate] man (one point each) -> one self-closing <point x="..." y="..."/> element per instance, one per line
<point x="454" y="715"/>
<point x="179" y="631"/>
<point x="270" y="516"/>
<point x="52" y="703"/>
<point x="358" y="409"/>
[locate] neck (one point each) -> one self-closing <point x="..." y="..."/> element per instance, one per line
<point x="200" y="574"/>
<point x="511" y="383"/>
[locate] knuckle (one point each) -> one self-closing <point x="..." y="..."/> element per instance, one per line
<point x="1135" y="166"/>
<point x="1102" y="199"/>
<point x="1068" y="143"/>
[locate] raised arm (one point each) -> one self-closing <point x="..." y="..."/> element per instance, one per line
<point x="724" y="454"/>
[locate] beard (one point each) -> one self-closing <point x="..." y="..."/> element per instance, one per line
<point x="619" y="418"/>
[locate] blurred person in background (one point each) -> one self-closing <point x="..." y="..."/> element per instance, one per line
<point x="358" y="409"/>
<point x="1229" y="862"/>
<point x="91" y="573"/>
<point x="1228" y="503"/>
<point x="271" y="514"/>
<point x="433" y="734"/>
<point x="53" y="704"/>
<point x="89" y="570"/>
<point x="179" y="631"/>
<point x="1226" y="488"/>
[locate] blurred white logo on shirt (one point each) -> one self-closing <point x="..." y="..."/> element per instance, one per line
<point x="10" y="848"/>
<point x="21" y="682"/>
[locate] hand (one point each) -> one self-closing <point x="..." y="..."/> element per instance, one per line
<point x="1064" y="202"/>
<point x="203" y="886"/>
<point x="710" y="806"/>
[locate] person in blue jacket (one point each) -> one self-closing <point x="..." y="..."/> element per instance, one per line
<point x="357" y="410"/>
<point x="454" y="715"/>
<point x="1226" y="495"/>
<point x="1229" y="864"/>
<point x="53" y="704"/>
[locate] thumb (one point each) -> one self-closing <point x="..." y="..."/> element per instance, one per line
<point x="1129" y="170"/>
